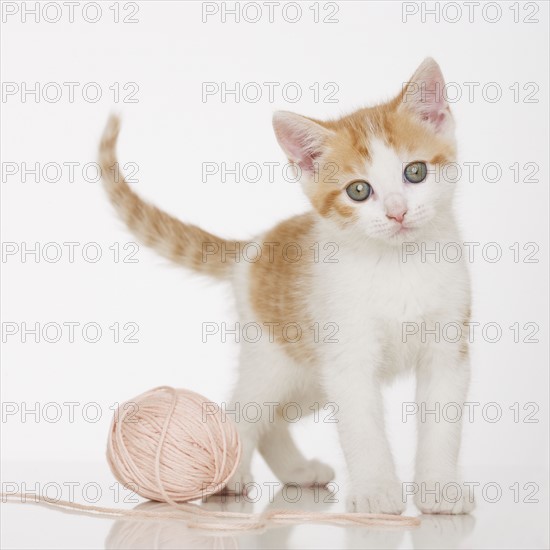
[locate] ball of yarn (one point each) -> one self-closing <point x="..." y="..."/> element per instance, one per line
<point x="172" y="445"/>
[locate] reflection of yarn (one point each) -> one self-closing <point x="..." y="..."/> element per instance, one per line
<point x="167" y="447"/>
<point x="163" y="534"/>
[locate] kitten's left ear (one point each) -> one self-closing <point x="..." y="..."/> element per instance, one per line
<point x="424" y="96"/>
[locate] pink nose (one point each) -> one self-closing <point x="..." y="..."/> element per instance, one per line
<point x="395" y="207"/>
<point x="397" y="216"/>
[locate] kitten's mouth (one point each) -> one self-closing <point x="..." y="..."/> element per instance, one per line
<point x="402" y="230"/>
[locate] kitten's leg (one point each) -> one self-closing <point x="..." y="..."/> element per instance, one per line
<point x="443" y="376"/>
<point x="264" y="379"/>
<point x="355" y="390"/>
<point x="245" y="397"/>
<point x="287" y="462"/>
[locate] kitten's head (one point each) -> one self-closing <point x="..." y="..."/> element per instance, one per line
<point x="378" y="170"/>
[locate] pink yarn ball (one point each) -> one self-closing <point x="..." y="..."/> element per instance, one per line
<point x="172" y="445"/>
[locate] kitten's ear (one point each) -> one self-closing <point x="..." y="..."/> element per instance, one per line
<point x="301" y="138"/>
<point x="424" y="96"/>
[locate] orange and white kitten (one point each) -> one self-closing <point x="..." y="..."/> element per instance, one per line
<point x="372" y="181"/>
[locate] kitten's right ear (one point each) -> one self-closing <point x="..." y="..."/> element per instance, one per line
<point x="301" y="138"/>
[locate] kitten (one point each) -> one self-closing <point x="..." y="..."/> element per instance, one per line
<point x="371" y="179"/>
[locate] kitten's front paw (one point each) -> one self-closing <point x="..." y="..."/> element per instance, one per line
<point x="311" y="473"/>
<point x="438" y="496"/>
<point x="238" y="483"/>
<point x="378" y="498"/>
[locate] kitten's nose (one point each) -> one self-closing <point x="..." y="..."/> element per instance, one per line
<point x="396" y="208"/>
<point x="398" y="217"/>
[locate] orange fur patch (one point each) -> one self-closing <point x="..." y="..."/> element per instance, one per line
<point x="279" y="286"/>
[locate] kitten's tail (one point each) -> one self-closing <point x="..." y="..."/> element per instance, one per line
<point x="182" y="243"/>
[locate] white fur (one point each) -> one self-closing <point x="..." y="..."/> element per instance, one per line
<point x="368" y="293"/>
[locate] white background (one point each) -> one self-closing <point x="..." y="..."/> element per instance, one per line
<point x="169" y="133"/>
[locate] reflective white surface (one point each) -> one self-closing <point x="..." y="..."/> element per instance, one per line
<point x="500" y="524"/>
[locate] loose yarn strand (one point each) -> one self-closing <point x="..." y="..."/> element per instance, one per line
<point x="192" y="513"/>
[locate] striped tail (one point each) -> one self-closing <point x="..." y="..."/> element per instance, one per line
<point x="185" y="244"/>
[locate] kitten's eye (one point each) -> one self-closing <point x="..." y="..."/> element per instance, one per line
<point x="359" y="190"/>
<point x="415" y="172"/>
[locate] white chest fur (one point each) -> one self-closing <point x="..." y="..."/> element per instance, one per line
<point x="373" y="293"/>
